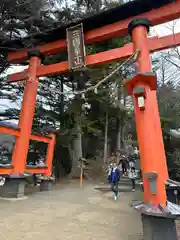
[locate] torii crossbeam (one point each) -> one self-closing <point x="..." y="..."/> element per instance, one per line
<point x="157" y="16"/>
<point x="155" y="44"/>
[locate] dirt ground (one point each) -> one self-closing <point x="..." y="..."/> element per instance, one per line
<point x="70" y="213"/>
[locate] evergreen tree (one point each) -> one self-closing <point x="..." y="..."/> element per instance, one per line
<point x="77" y="118"/>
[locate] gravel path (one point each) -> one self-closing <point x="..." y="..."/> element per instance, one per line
<point x="70" y="213"/>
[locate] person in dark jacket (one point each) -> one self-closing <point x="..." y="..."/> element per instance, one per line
<point x="115" y="177"/>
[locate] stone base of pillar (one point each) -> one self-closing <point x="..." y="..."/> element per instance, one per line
<point x="13" y="187"/>
<point x="45" y="185"/>
<point x="158" y="222"/>
<point x="157" y="228"/>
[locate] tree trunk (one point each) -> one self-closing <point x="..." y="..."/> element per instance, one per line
<point x="119" y="135"/>
<point x="119" y="120"/>
<point x="106" y="139"/>
<point x="77" y="143"/>
<point x="62" y="98"/>
<point x="58" y="160"/>
<point x="76" y="152"/>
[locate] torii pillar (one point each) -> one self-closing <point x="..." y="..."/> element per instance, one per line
<point x="27" y="114"/>
<point x="16" y="184"/>
<point x="142" y="87"/>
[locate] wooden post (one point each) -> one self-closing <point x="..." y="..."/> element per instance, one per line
<point x="81" y="173"/>
<point x="49" y="154"/>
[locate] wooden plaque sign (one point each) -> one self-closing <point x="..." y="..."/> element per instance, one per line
<point x="76" y="48"/>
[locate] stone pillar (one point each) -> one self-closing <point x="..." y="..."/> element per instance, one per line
<point x="158" y="228"/>
<point x="46" y="185"/>
<point x="13" y="187"/>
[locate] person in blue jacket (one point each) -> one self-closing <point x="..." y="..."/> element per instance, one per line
<point x="115" y="177"/>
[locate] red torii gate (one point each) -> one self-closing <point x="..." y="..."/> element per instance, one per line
<point x="143" y="85"/>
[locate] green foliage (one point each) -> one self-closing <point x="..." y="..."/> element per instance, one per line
<point x="174" y="164"/>
<point x="63" y="111"/>
<point x="169" y="107"/>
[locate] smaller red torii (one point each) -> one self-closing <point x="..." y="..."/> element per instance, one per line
<point x="50" y="140"/>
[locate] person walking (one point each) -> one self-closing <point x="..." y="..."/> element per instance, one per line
<point x="115" y="177"/>
<point x="109" y="170"/>
<point x="118" y="157"/>
<point x="133" y="176"/>
<point x="113" y="157"/>
<point x="131" y="164"/>
<point x="120" y="167"/>
<point x="124" y="165"/>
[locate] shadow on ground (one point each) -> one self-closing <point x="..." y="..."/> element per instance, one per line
<point x="108" y="189"/>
